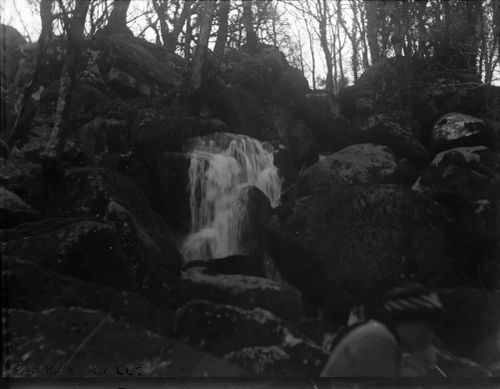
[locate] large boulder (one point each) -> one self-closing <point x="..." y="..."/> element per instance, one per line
<point x="258" y="73"/>
<point x="357" y="164"/>
<point x="295" y="134"/>
<point x="33" y="287"/>
<point x="155" y="132"/>
<point x="384" y="130"/>
<point x="243" y="291"/>
<point x="227" y="330"/>
<point x="41" y="343"/>
<point x="290" y="89"/>
<point x="389" y="231"/>
<point x="467" y="180"/>
<point x="458" y="130"/>
<point x="132" y="69"/>
<point x="257" y="210"/>
<point x="331" y="132"/>
<point x="240" y="110"/>
<point x="13" y="210"/>
<point x="84" y="249"/>
<point x="114" y="199"/>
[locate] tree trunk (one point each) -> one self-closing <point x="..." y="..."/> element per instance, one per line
<point x="371" y="8"/>
<point x="187" y="39"/>
<point x="252" y="40"/>
<point x="22" y="124"/>
<point x="173" y="37"/>
<point x="118" y="19"/>
<point x="206" y="15"/>
<point x="160" y="8"/>
<point x="220" y="43"/>
<point x="51" y="156"/>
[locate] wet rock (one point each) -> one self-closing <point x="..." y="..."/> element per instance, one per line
<point x="240" y="111"/>
<point x="256" y="215"/>
<point x="389" y="231"/>
<point x="240" y="290"/>
<point x="155" y="132"/>
<point x="84" y="249"/>
<point x="358" y="164"/>
<point x="458" y="130"/>
<point x="233" y="332"/>
<point x="383" y="130"/>
<point x="13" y="210"/>
<point x="33" y="287"/>
<point x="115" y="349"/>
<point x="172" y="175"/>
<point x="248" y="265"/>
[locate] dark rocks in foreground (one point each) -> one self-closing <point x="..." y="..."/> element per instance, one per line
<point x="109" y="348"/>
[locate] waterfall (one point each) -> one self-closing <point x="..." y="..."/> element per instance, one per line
<point x="221" y="166"/>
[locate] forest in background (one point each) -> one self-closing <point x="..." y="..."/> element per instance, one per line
<point x="332" y="42"/>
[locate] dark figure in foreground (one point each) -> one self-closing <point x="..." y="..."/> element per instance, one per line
<point x="390" y="338"/>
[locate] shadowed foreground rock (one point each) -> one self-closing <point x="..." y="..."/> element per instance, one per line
<point x="113" y="349"/>
<point x="243" y="291"/>
<point x="387" y="230"/>
<point x="231" y="331"/>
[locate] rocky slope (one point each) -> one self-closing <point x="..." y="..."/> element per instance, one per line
<point x="402" y="185"/>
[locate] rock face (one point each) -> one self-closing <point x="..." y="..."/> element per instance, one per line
<point x="331" y="132"/>
<point x="384" y="130"/>
<point x="237" y="334"/>
<point x="115" y="349"/>
<point x="258" y="73"/>
<point x="388" y="231"/>
<point x="114" y="200"/>
<point x="240" y="110"/>
<point x="358" y="164"/>
<point x="282" y="126"/>
<point x="155" y="133"/>
<point x="13" y="210"/>
<point x="85" y="249"/>
<point x="458" y="130"/>
<point x="466" y="180"/>
<point x="240" y="290"/>
<point x="34" y="287"/>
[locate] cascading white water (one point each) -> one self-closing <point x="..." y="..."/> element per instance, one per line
<point x="221" y="166"/>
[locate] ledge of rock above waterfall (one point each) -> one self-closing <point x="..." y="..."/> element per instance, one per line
<point x="240" y="290"/>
